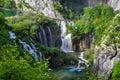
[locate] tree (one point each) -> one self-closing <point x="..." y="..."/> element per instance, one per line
<point x="2" y="19"/>
<point x="9" y="4"/>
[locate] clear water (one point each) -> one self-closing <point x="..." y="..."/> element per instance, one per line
<point x="8" y="13"/>
<point x="69" y="73"/>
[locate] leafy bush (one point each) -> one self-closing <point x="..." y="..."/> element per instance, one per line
<point x="16" y="64"/>
<point x="2" y="19"/>
<point x="116" y="72"/>
<point x="9" y="4"/>
<point x="94" y="20"/>
<point x="57" y="57"/>
<point x="65" y="8"/>
<point x="13" y="66"/>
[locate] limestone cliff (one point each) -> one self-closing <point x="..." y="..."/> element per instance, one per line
<point x="107" y="53"/>
<point x="105" y="59"/>
<point x="46" y="7"/>
<point x="41" y="6"/>
<point x="113" y="3"/>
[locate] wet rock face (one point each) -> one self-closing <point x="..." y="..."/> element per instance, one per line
<point x="104" y="60"/>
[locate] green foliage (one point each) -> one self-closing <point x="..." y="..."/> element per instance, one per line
<point x="13" y="66"/>
<point x="9" y="4"/>
<point x="93" y="77"/>
<point x="116" y="72"/>
<point x="65" y="12"/>
<point x="16" y="64"/>
<point x="95" y="20"/>
<point x="67" y="9"/>
<point x="56" y="57"/>
<point x="8" y="13"/>
<point x="23" y="4"/>
<point x="89" y="55"/>
<point x="2" y="19"/>
<point x="46" y="21"/>
<point x="26" y="26"/>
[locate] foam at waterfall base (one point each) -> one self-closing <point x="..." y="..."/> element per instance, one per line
<point x="66" y="50"/>
<point x="77" y="69"/>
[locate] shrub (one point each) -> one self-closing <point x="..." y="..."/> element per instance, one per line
<point x="116" y="72"/>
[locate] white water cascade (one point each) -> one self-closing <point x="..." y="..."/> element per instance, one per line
<point x="40" y="37"/>
<point x="82" y="61"/>
<point x="29" y="49"/>
<point x="12" y="35"/>
<point x="66" y="39"/>
<point x="50" y="37"/>
<point x="44" y="36"/>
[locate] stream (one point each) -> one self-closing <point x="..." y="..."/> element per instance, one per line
<point x="72" y="72"/>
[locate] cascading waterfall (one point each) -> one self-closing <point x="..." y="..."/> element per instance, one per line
<point x="66" y="39"/>
<point x="42" y="56"/>
<point x="50" y="37"/>
<point x="40" y="37"/>
<point x="82" y="60"/>
<point x="29" y="49"/>
<point x="12" y="35"/>
<point x="44" y="36"/>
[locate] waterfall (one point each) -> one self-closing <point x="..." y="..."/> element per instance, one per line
<point x="44" y="36"/>
<point x="40" y="37"/>
<point x="12" y="35"/>
<point x="29" y="49"/>
<point x="66" y="39"/>
<point x="50" y="37"/>
<point x="82" y="60"/>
